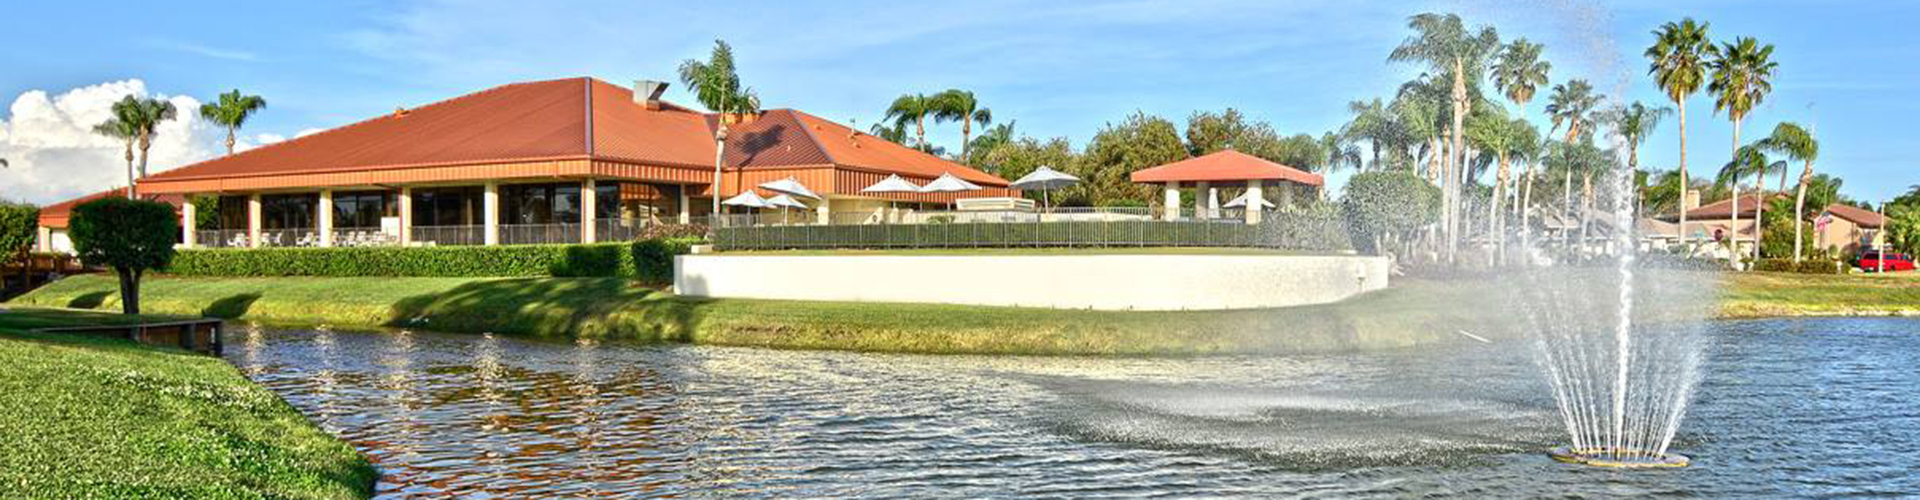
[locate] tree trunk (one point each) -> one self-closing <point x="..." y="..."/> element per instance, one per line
<point x="1759" y="211"/>
<point x="1684" y="185"/>
<point x="129" y="289"/>
<point x="230" y="132"/>
<point x="1735" y="214"/>
<point x="966" y="140"/>
<point x="920" y="130"/>
<point x="1800" y="209"/>
<point x="1494" y="219"/>
<point x="1459" y="153"/>
<point x="1566" y="204"/>
<point x="132" y="180"/>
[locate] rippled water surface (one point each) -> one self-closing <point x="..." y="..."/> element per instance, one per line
<point x="1787" y="408"/>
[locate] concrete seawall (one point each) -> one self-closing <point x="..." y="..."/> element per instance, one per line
<point x="1100" y="282"/>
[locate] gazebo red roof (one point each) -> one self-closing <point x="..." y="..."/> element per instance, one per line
<point x="1228" y="165"/>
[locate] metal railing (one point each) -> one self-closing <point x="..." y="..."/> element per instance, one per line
<point x="449" y="235"/>
<point x="605" y="230"/>
<point x="1301" y="229"/>
<point x="289" y="237"/>
<point x="364" y="237"/>
<point x="535" y="234"/>
<point x="221" y="238"/>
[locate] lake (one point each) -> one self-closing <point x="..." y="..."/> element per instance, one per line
<point x="1804" y="407"/>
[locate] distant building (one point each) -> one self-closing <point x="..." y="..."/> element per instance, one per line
<point x="1847" y="229"/>
<point x="53" y="236"/>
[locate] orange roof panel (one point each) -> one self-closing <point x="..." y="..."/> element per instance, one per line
<point x="1228" y="165"/>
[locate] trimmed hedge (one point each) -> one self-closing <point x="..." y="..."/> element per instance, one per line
<point x="649" y="260"/>
<point x="1810" y="266"/>
<point x="1318" y="228"/>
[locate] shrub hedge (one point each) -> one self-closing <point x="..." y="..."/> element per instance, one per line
<point x="650" y="260"/>
<point x="1809" y="266"/>
<point x="1317" y="228"/>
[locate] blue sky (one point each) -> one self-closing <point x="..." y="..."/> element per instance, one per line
<point x="1057" y="68"/>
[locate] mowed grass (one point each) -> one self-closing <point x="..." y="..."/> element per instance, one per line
<point x="84" y="417"/>
<point x="34" y="317"/>
<point x="1411" y="313"/>
<point x="1750" y="295"/>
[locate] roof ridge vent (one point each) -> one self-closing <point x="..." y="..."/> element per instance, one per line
<point x="647" y="93"/>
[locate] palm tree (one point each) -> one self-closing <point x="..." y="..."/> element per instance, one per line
<point x="1444" y="43"/>
<point x="717" y="86"/>
<point x="1572" y="104"/>
<point x="1374" y="123"/>
<point x="144" y="116"/>
<point x="231" y="110"/>
<point x="1505" y="138"/>
<point x="1742" y="77"/>
<point x="955" y="105"/>
<point x="1520" y="71"/>
<point x="1632" y="124"/>
<point x="1340" y="152"/>
<point x="1798" y="144"/>
<point x="911" y="108"/>
<point x="896" y="133"/>
<point x="123" y="131"/>
<point x="1679" y="67"/>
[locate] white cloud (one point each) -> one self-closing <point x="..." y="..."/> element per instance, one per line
<point x="55" y="156"/>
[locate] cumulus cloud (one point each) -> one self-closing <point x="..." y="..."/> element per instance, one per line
<point x="48" y="139"/>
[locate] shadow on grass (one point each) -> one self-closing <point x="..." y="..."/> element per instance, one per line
<point x="231" y="307"/>
<point x="89" y="300"/>
<point x="611" y="308"/>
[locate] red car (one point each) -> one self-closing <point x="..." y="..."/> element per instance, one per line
<point x="1871" y="261"/>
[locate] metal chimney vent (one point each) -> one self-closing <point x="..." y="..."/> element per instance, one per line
<point x="648" y="92"/>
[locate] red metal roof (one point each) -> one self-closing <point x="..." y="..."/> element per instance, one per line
<point x="59" y="214"/>
<point x="1859" y="216"/>
<point x="1228" y="165"/>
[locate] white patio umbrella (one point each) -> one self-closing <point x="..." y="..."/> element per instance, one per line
<point x="892" y="184"/>
<point x="1045" y="179"/>
<point x="747" y="199"/>
<point x="1243" y="200"/>
<point x="784" y="202"/>
<point x="947" y="183"/>
<point x="790" y="186"/>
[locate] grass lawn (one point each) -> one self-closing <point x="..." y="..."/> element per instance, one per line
<point x="33" y="317"/>
<point x="1779" y="294"/>
<point x="84" y="417"/>
<point x="1032" y="251"/>
<point x="1415" y="312"/>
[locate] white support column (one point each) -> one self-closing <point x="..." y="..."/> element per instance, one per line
<point x="686" y="206"/>
<point x="1254" y="195"/>
<point x="46" y="239"/>
<point x="1172" y="211"/>
<point x="589" y="203"/>
<point x="253" y="220"/>
<point x="406" y="215"/>
<point x="490" y="213"/>
<point x="824" y="211"/>
<point x="325" y="227"/>
<point x="188" y="233"/>
<point x="1209" y="208"/>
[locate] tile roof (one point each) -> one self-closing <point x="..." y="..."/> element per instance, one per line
<point x="1859" y="216"/>
<point x="847" y="147"/>
<point x="59" y="214"/>
<point x="1723" y="209"/>
<point x="1228" y="165"/>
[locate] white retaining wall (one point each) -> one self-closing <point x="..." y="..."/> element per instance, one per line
<point x="1105" y="282"/>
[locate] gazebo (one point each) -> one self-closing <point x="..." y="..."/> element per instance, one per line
<point x="1225" y="167"/>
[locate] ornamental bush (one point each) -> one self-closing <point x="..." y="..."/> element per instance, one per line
<point x="18" y="223"/>
<point x="1809" y="266"/>
<point x="1386" y="204"/>
<point x="624" y="260"/>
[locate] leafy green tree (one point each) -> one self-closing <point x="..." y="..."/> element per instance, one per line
<point x="231" y="110"/>
<point x="1019" y="157"/>
<point x="18" y="223"/>
<point x="1678" y="63"/>
<point x="955" y="105"/>
<point x="912" y="108"/>
<point x="1209" y="132"/>
<point x="1141" y="141"/>
<point x="144" y="116"/>
<point x="1903" y="228"/>
<point x="1780" y="238"/>
<point x="206" y="211"/>
<point x="1386" y="208"/>
<point x="1796" y="143"/>
<point x="1742" y="77"/>
<point x="992" y="138"/>
<point x="715" y="82"/>
<point x="129" y="236"/>
<point x="117" y="129"/>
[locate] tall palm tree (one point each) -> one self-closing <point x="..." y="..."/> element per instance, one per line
<point x="125" y="132"/>
<point x="912" y="108"/>
<point x="1572" y="104"/>
<point x="1742" y="77"/>
<point x="1505" y="138"/>
<point x="1633" y="123"/>
<point x="716" y="84"/>
<point x="144" y="116"/>
<point x="1374" y="123"/>
<point x="1340" y="152"/>
<point x="1679" y="66"/>
<point x="1445" y="45"/>
<point x="231" y="110"/>
<point x="896" y="133"/>
<point x="955" y="105"/>
<point x="1519" y="72"/>
<point x="1796" y="143"/>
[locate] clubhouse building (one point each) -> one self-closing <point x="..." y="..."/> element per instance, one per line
<point x="556" y="161"/>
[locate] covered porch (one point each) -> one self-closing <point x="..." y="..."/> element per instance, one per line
<point x="1262" y="184"/>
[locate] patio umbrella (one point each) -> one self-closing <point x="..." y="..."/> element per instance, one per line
<point x="790" y="186"/>
<point x="1045" y="179"/>
<point x="747" y="199"/>
<point x="784" y="202"/>
<point x="892" y="184"/>
<point x="947" y="183"/>
<point x="1243" y="199"/>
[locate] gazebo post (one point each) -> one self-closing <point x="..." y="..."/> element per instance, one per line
<point x="1172" y="211"/>
<point x="1212" y="206"/>
<point x="1254" y="195"/>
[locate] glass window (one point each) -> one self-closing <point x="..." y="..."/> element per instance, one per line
<point x="362" y="209"/>
<point x="233" y="212"/>
<point x="288" y="211"/>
